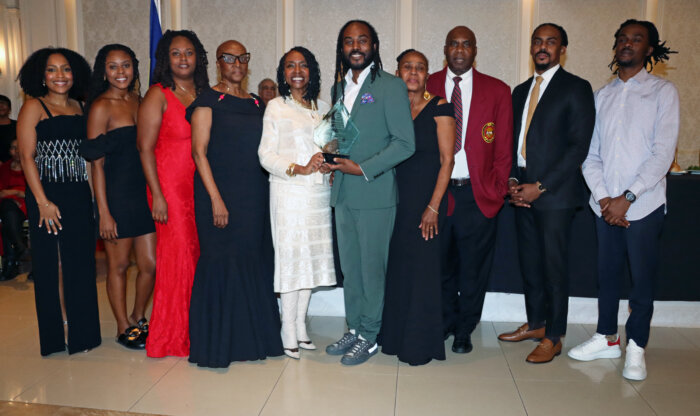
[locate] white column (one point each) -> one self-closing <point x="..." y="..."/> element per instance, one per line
<point x="653" y="12"/>
<point x="527" y="10"/>
<point x="285" y="27"/>
<point x="11" y="56"/>
<point x="406" y="25"/>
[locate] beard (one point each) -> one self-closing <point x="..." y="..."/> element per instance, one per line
<point x="625" y="61"/>
<point x="365" y="63"/>
<point x="543" y="66"/>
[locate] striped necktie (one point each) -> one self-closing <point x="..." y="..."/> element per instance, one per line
<point x="456" y="101"/>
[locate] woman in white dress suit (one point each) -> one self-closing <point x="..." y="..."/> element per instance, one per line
<point x="299" y="194"/>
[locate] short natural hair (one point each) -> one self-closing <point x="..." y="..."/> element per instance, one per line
<point x="265" y="79"/>
<point x="562" y="32"/>
<point x="411" y="50"/>
<point x="32" y="75"/>
<point x="6" y="99"/>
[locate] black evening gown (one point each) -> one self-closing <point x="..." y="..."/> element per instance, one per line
<point x="412" y="321"/>
<point x="125" y="182"/>
<point x="233" y="312"/>
<point x="64" y="179"/>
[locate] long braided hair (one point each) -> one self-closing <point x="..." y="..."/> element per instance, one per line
<point x="659" y="53"/>
<point x="340" y="69"/>
<point x="162" y="73"/>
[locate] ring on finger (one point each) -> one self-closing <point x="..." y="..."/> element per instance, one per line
<point x="50" y="222"/>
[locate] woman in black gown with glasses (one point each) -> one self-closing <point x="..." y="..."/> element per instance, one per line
<point x="233" y="311"/>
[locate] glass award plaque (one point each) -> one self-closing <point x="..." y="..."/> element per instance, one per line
<point x="336" y="133"/>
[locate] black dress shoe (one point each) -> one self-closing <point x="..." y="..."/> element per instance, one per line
<point x="132" y="338"/>
<point x="462" y="344"/>
<point x="143" y="325"/>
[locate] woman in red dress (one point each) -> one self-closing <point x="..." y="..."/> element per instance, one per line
<point x="165" y="144"/>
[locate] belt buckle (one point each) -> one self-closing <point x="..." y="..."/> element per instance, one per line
<point x="459" y="181"/>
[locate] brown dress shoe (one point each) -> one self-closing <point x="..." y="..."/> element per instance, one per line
<point x="544" y="352"/>
<point x="522" y="333"/>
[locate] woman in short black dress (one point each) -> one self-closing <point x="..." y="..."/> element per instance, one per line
<point x="125" y="220"/>
<point x="412" y="322"/>
<point x="233" y="311"/>
<point x="50" y="128"/>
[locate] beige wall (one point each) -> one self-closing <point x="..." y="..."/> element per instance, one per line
<point x="122" y="21"/>
<point x="268" y="27"/>
<point x="317" y="22"/>
<point x="679" y="26"/>
<point x="253" y="23"/>
<point x="590" y="34"/>
<point x="494" y="22"/>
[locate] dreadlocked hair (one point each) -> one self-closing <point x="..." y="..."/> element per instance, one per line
<point x="98" y="81"/>
<point x="659" y="53"/>
<point x="340" y="70"/>
<point x="162" y="72"/>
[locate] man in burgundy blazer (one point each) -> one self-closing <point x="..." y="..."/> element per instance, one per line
<point x="483" y="155"/>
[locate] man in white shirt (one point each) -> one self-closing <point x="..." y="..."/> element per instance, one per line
<point x="633" y="144"/>
<point x="364" y="192"/>
<point x="483" y="153"/>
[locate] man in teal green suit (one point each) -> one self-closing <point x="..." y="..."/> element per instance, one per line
<point x="364" y="190"/>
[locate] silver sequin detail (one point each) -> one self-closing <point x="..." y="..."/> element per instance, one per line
<point x="59" y="161"/>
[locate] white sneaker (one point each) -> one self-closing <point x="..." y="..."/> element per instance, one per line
<point x="595" y="348"/>
<point x="635" y="366"/>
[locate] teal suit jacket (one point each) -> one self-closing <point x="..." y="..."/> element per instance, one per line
<point x="386" y="139"/>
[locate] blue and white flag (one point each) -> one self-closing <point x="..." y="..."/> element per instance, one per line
<point x="156" y="34"/>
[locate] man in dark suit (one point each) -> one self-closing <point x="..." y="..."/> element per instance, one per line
<point x="554" y="117"/>
<point x="479" y="183"/>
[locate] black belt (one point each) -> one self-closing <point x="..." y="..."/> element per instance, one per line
<point x="460" y="182"/>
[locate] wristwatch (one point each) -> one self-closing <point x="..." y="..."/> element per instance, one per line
<point x="540" y="187"/>
<point x="629" y="196"/>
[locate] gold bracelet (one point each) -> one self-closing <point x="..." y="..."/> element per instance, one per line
<point x="290" y="170"/>
<point x="433" y="209"/>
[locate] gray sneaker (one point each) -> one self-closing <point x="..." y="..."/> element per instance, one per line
<point x="360" y="352"/>
<point x="342" y="345"/>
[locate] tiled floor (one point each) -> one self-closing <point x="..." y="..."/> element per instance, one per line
<point x="492" y="380"/>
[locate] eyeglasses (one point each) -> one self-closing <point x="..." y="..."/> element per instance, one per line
<point x="231" y="59"/>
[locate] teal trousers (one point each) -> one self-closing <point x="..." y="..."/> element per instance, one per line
<point x="363" y="244"/>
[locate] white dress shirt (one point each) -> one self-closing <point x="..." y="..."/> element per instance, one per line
<point x="461" y="169"/>
<point x="633" y="143"/>
<point x="546" y="77"/>
<point x="352" y="88"/>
